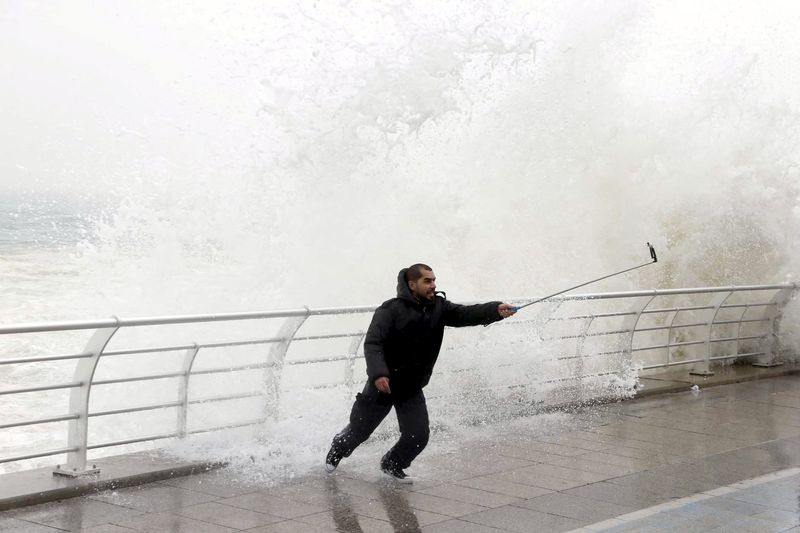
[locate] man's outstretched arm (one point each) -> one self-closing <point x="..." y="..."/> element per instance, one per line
<point x="457" y="315"/>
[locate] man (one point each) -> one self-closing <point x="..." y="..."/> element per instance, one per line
<point x="401" y="348"/>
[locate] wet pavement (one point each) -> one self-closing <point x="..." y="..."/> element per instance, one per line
<point x="724" y="459"/>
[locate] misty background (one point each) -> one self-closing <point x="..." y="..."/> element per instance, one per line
<point x="193" y="157"/>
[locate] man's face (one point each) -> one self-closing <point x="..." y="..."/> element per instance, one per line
<point x="424" y="287"/>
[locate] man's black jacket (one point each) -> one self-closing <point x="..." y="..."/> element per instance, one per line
<point x="405" y="336"/>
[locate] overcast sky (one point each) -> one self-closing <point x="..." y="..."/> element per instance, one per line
<point x="94" y="94"/>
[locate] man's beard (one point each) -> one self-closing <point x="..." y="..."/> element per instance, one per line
<point x="425" y="298"/>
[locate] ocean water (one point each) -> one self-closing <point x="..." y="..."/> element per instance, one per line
<point x="39" y="238"/>
<point x="194" y="158"/>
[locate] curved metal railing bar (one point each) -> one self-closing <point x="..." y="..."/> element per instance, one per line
<point x="631" y="329"/>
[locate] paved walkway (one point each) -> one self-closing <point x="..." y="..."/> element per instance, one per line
<point x="724" y="459"/>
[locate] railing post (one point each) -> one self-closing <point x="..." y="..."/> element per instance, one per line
<point x="79" y="405"/>
<point x="277" y="355"/>
<point x="556" y="305"/>
<point x="582" y="339"/>
<point x="183" y="390"/>
<point x="580" y="367"/>
<point x="704" y="369"/>
<point x="349" y="370"/>
<point x="773" y="314"/>
<point x="630" y="323"/>
<point x="739" y="329"/>
<point x="672" y="318"/>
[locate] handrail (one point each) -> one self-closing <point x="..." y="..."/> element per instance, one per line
<point x="179" y="319"/>
<point x="640" y="325"/>
<point x="284" y="313"/>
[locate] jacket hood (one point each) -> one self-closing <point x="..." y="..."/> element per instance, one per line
<point x="403" y="292"/>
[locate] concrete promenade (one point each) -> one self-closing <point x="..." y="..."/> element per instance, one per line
<point x="726" y="458"/>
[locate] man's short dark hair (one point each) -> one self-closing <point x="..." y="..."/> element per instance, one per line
<point x="414" y="272"/>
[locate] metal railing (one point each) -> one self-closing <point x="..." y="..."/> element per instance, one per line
<point x="650" y="329"/>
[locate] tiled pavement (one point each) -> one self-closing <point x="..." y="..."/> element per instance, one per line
<point x="724" y="459"/>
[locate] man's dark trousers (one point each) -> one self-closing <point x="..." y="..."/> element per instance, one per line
<point x="370" y="408"/>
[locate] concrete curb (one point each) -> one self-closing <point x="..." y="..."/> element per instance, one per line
<point x="32" y="487"/>
<point x="674" y="382"/>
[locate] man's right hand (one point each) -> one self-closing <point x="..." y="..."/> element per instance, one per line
<point x="382" y="384"/>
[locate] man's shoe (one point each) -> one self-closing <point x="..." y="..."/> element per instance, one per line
<point x="394" y="472"/>
<point x="332" y="460"/>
